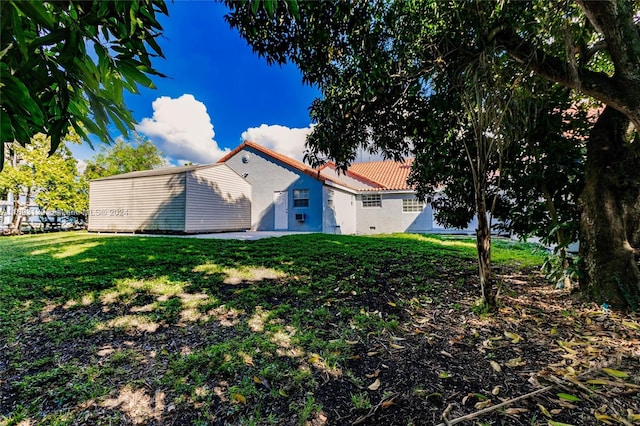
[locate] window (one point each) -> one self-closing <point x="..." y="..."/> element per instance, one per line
<point x="330" y="198"/>
<point x="371" y="200"/>
<point x="412" y="205"/>
<point x="300" y="198"/>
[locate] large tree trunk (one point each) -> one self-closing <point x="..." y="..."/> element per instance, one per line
<point x="610" y="219"/>
<point x="483" y="244"/>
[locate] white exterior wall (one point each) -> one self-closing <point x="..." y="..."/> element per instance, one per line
<point x="389" y="218"/>
<point x="217" y="199"/>
<point x="341" y="218"/>
<point x="149" y="203"/>
<point x="471" y="228"/>
<point x="198" y="199"/>
<point x="267" y="176"/>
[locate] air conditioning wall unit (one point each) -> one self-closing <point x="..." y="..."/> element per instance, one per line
<point x="300" y="217"/>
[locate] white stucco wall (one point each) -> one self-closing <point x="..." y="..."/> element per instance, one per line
<point x="266" y="176"/>
<point x="341" y="217"/>
<point x="390" y="218"/>
<point x="438" y="227"/>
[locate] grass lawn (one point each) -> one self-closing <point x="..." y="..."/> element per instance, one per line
<point x="299" y="330"/>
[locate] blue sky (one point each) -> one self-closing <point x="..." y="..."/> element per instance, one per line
<point x="218" y="92"/>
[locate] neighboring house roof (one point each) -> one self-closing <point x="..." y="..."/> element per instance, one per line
<point x="157" y="172"/>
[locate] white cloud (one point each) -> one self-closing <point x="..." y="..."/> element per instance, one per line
<point x="182" y="129"/>
<point x="282" y="139"/>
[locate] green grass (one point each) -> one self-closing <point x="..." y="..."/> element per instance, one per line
<point x="239" y="326"/>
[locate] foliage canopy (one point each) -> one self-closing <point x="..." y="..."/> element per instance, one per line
<point x="52" y="182"/>
<point x="67" y="63"/>
<point x="124" y="157"/>
<point x="391" y="75"/>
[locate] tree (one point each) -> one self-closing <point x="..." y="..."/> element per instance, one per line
<point x="543" y="177"/>
<point x="376" y="64"/>
<point x="594" y="47"/>
<point x="486" y="128"/>
<point x="124" y="157"/>
<point x="533" y="173"/>
<point x="50" y="81"/>
<point x="52" y="182"/>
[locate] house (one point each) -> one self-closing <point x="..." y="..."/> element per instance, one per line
<point x="289" y="195"/>
<point x="370" y="198"/>
<point x="191" y="199"/>
<point x="256" y="188"/>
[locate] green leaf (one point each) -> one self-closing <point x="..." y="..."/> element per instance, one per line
<point x="292" y="6"/>
<point x="133" y="22"/>
<point x="131" y="72"/>
<point x="36" y="11"/>
<point x="568" y="397"/>
<point x="115" y="116"/>
<point x="254" y="6"/>
<point x="4" y="52"/>
<point x="270" y="6"/>
<point x="92" y="127"/>
<point x="154" y="45"/>
<point x="103" y="58"/>
<point x="616" y="373"/>
<point x="18" y="94"/>
<point x="553" y="423"/>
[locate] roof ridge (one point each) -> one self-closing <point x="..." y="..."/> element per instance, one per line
<point x="291" y="162"/>
<point x="169" y="170"/>
<point x="353" y="175"/>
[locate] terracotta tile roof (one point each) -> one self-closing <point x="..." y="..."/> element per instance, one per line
<point x="390" y="175"/>
<point x="374" y="175"/>
<point x="275" y="155"/>
<point x="295" y="164"/>
<point x="365" y="183"/>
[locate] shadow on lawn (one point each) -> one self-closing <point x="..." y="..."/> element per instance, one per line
<point x="153" y="329"/>
<point x="312" y="329"/>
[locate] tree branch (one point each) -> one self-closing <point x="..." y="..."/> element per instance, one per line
<point x="614" y="20"/>
<point x="587" y="54"/>
<point x="618" y="91"/>
<point x="494" y="407"/>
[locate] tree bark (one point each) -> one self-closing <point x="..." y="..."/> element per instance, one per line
<point x="610" y="215"/>
<point x="483" y="244"/>
<point x="16" y="217"/>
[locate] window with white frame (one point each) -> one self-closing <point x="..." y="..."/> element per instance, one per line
<point x="412" y="205"/>
<point x="300" y="198"/>
<point x="371" y="200"/>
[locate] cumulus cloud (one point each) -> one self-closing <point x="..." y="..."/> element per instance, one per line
<point x="282" y="139"/>
<point x="182" y="129"/>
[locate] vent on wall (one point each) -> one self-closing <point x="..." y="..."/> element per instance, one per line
<point x="300" y="217"/>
